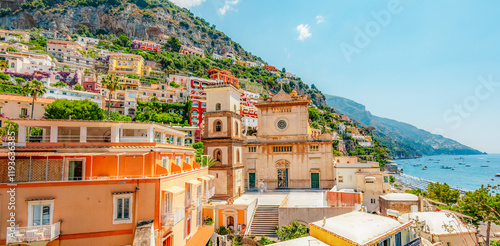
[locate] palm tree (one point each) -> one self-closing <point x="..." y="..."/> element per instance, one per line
<point x="110" y="82"/>
<point x="35" y="89"/>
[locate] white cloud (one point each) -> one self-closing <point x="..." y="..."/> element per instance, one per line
<point x="227" y="5"/>
<point x="320" y="19"/>
<point x="303" y="30"/>
<point x="187" y="3"/>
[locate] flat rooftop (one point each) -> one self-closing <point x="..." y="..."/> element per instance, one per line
<point x="295" y="198"/>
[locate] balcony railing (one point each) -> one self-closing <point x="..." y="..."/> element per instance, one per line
<point x="20" y="235"/>
<point x="173" y="218"/>
<point x="211" y="193"/>
<point x="196" y="201"/>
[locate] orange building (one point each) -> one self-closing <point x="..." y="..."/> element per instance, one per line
<point x="224" y="75"/>
<point x="101" y="183"/>
<point x="270" y="68"/>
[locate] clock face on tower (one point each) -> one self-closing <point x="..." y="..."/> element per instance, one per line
<point x="282" y="124"/>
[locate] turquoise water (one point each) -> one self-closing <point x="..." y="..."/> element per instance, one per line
<point x="466" y="178"/>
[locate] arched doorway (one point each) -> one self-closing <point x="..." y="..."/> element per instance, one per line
<point x="230" y="222"/>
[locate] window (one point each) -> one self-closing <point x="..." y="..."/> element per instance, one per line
<point x="341" y="179"/>
<point x="188" y="159"/>
<point x="218" y="126"/>
<point x="373" y="201"/>
<point x="217" y="107"/>
<point x="195" y="104"/>
<point x="386" y="179"/>
<point x="188" y="195"/>
<point x="282" y="148"/>
<point x="24" y="111"/>
<point x="252" y="149"/>
<point x="76" y="169"/>
<point x="40" y="212"/>
<point x="237" y="155"/>
<point x="282" y="124"/>
<point x="314" y="147"/>
<point x="218" y="155"/>
<point x="178" y="160"/>
<point x="164" y="162"/>
<point x="167" y="203"/>
<point x="122" y="209"/>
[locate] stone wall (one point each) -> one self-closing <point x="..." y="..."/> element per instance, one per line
<point x="401" y="206"/>
<point x="309" y="214"/>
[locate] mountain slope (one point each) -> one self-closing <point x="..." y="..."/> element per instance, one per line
<point x="404" y="140"/>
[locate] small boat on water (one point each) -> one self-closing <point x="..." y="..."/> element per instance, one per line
<point x="452" y="168"/>
<point x="424" y="168"/>
<point x="445" y="167"/>
<point x="497" y="175"/>
<point x="461" y="163"/>
<point x="484" y="166"/>
<point x="467" y="165"/>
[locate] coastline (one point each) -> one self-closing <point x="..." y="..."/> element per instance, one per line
<point x="412" y="183"/>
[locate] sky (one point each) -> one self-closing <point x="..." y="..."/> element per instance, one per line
<point x="433" y="64"/>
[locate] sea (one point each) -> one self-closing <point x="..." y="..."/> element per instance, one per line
<point x="464" y="172"/>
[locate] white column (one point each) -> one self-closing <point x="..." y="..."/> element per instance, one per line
<point x="83" y="134"/>
<point x="21" y="135"/>
<point x="163" y="138"/>
<point x="183" y="141"/>
<point x="150" y="135"/>
<point x="53" y="134"/>
<point x="175" y="140"/>
<point x="115" y="134"/>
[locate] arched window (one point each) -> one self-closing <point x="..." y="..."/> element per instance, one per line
<point x="218" y="155"/>
<point x="236" y="129"/>
<point x="217" y="107"/>
<point x="218" y="126"/>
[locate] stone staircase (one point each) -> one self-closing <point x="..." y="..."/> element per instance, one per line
<point x="265" y="221"/>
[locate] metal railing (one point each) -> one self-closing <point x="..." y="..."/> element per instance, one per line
<point x="33" y="233"/>
<point x="173" y="218"/>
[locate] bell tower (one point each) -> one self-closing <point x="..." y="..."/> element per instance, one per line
<point x="223" y="140"/>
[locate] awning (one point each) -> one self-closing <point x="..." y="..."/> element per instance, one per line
<point x="370" y="178"/>
<point x="205" y="178"/>
<point x="194" y="182"/>
<point x="202" y="236"/>
<point x="211" y="176"/>
<point x="174" y="189"/>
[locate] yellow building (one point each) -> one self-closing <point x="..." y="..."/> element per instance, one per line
<point x="122" y="64"/>
<point x="359" y="228"/>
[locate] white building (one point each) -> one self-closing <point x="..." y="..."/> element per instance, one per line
<point x="83" y="41"/>
<point x="65" y="93"/>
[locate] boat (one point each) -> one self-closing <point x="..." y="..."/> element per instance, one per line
<point x="424" y="168"/>
<point x="497" y="175"/>
<point x="461" y="163"/>
<point x="452" y="168"/>
<point x="446" y="167"/>
<point x="467" y="165"/>
<point x="487" y="161"/>
<point x="484" y="166"/>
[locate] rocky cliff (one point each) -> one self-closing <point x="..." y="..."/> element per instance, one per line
<point x="155" y="24"/>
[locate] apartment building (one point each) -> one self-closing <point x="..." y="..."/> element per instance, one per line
<point x="146" y="45"/>
<point x="191" y="50"/>
<point x="122" y="64"/>
<point x="66" y="93"/>
<point x="83" y="41"/>
<point x="270" y="68"/>
<point x="23" y="36"/>
<point x="60" y="48"/>
<point x="103" y="183"/>
<point x="248" y="111"/>
<point x="18" y="106"/>
<point x="123" y="100"/>
<point x="163" y="92"/>
<point x="180" y="79"/>
<point x="196" y="91"/>
<point x="223" y="75"/>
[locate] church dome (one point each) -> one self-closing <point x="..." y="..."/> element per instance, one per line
<point x="293" y="93"/>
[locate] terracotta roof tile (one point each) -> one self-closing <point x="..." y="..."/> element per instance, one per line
<point x="20" y="98"/>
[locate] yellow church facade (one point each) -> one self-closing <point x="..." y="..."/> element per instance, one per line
<point x="286" y="153"/>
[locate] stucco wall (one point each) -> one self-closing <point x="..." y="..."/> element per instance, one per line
<point x="309" y="214"/>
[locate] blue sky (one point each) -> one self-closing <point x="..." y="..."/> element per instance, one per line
<point x="433" y="64"/>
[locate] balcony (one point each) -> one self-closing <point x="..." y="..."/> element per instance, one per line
<point x="196" y="201"/>
<point x="211" y="193"/>
<point x="24" y="235"/>
<point x="173" y="218"/>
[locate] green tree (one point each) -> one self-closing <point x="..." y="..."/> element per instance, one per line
<point x="60" y="84"/>
<point x="20" y="81"/>
<point x="292" y="231"/>
<point x="35" y="89"/>
<point x="314" y="114"/>
<point x="77" y="110"/>
<point x="110" y="82"/>
<point x="442" y="193"/>
<point x="79" y="87"/>
<point x="4" y="77"/>
<point x="483" y="206"/>
<point x="115" y="116"/>
<point x="124" y="41"/>
<point x="174" y="44"/>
